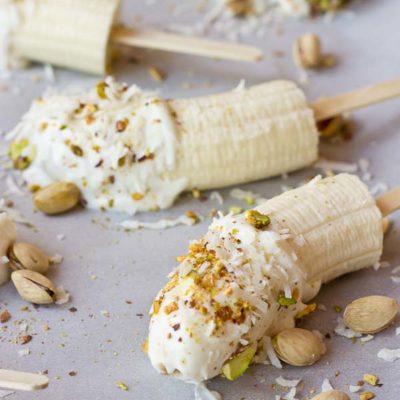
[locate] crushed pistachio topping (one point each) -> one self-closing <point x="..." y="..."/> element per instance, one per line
<point x="101" y="90"/>
<point x="373" y="380"/>
<point x="285" y="301"/>
<point x="309" y="309"/>
<point x="258" y="220"/>
<point x="122" y="386"/>
<point x="235" y="210"/>
<point x="20" y="154"/>
<point x="367" y="395"/>
<point x="238" y="364"/>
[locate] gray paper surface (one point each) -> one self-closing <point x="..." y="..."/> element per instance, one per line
<point x="113" y="276"/>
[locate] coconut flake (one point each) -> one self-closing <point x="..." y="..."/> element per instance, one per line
<point x="398" y="331"/>
<point x="4" y="260"/>
<point x="395" y="279"/>
<point x="56" y="259"/>
<point x="342" y="330"/>
<point x="5" y="393"/>
<point x="62" y="296"/>
<point x="273" y="358"/>
<point x="354" y="389"/>
<point x="389" y="354"/>
<point x="241" y="86"/>
<point x="291" y="395"/>
<point x="396" y="270"/>
<point x="287" y="382"/>
<point x="326" y="385"/>
<point x="380" y="187"/>
<point x="201" y="392"/>
<point x="24" y="352"/>
<point x="338" y="166"/>
<point x="367" y="338"/>
<point x="160" y="224"/>
<point x="216" y="196"/>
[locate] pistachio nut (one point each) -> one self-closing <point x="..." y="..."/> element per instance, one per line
<point x="34" y="287"/>
<point x="240" y="7"/>
<point x="331" y="395"/>
<point x="57" y="198"/>
<point x="238" y="365"/>
<point x="298" y="347"/>
<point x="370" y="314"/>
<point x="307" y="51"/>
<point x="27" y="256"/>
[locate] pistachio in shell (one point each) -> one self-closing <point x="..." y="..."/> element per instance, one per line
<point x="57" y="198"/>
<point x="298" y="347"/>
<point x="34" y="287"/>
<point x="238" y="365"/>
<point x="26" y="256"/>
<point x="307" y="51"/>
<point x="331" y="395"/>
<point x="370" y="314"/>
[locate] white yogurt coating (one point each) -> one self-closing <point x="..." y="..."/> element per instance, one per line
<point x="224" y="297"/>
<point x="115" y="142"/>
<point x="12" y="14"/>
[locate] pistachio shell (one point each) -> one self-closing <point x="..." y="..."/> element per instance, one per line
<point x="57" y="198"/>
<point x="370" y="314"/>
<point x="307" y="51"/>
<point x="238" y="365"/>
<point x="34" y="287"/>
<point x="27" y="256"/>
<point x="298" y="347"/>
<point x="332" y="395"/>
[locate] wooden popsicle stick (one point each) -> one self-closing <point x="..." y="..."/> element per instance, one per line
<point x="327" y="107"/>
<point x="188" y="45"/>
<point x="389" y="202"/>
<point x="16" y="380"/>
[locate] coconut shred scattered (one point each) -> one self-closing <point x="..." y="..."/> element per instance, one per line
<point x="116" y="143"/>
<point x="225" y="296"/>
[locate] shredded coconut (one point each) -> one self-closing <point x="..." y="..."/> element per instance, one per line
<point x="326" y="385"/>
<point x="216" y="196"/>
<point x="160" y="224"/>
<point x="354" y="389"/>
<point x="342" y="330"/>
<point x="389" y="354"/>
<point x="338" y="166"/>
<point x="367" y="338"/>
<point x="287" y="382"/>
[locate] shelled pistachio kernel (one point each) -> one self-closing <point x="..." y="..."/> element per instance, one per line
<point x="307" y="51"/>
<point x="258" y="220"/>
<point x="56" y="198"/>
<point x="298" y="347"/>
<point x="370" y="314"/>
<point x="237" y="366"/>
<point x="27" y="256"/>
<point x="34" y="287"/>
<point x="331" y="395"/>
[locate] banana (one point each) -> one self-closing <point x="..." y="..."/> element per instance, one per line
<point x="247" y="278"/>
<point x="8" y="233"/>
<point x="77" y="37"/>
<point x="130" y="151"/>
<point x="244" y="135"/>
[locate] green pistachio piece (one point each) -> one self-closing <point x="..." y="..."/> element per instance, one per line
<point x="101" y="90"/>
<point x="258" y="220"/>
<point x="238" y="365"/>
<point x="285" y="301"/>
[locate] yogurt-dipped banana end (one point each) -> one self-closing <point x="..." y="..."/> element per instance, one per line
<point x="246" y="279"/>
<point x="129" y="150"/>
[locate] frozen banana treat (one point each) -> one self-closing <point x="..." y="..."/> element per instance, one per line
<point x="130" y="150"/>
<point x="248" y="277"/>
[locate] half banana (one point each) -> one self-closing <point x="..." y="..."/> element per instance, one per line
<point x="246" y="279"/>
